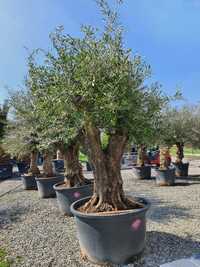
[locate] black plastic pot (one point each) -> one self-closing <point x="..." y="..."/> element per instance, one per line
<point x="67" y="196"/>
<point x="89" y="166"/>
<point x="165" y="177"/>
<point x="29" y="182"/>
<point x="143" y="172"/>
<point x="111" y="238"/>
<point x="182" y="169"/>
<point x="22" y="167"/>
<point x="58" y="165"/>
<point x="6" y="171"/>
<point x="45" y="186"/>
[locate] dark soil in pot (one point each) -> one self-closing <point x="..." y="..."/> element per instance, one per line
<point x="6" y="171"/>
<point x="45" y="186"/>
<point x="66" y="196"/>
<point x="115" y="237"/>
<point x="182" y="169"/>
<point x="165" y="177"/>
<point x="143" y="172"/>
<point x="29" y="182"/>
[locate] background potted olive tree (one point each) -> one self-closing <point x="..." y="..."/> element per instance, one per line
<point x="179" y="122"/>
<point x="109" y="91"/>
<point x="21" y="138"/>
<point x="60" y="123"/>
<point x="5" y="164"/>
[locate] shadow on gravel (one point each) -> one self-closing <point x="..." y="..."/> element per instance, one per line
<point x="11" y="215"/>
<point x="164" y="247"/>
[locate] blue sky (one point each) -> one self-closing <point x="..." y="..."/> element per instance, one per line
<point x="166" y="33"/>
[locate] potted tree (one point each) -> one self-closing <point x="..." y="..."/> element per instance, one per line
<point x="108" y="91"/>
<point x="21" y="138"/>
<point x="61" y="126"/>
<point x="143" y="169"/>
<point x="165" y="174"/>
<point x="179" y="123"/>
<point x="5" y="164"/>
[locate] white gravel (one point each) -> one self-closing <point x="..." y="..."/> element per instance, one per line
<point x="35" y="230"/>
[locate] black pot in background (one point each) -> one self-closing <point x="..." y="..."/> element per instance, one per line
<point x="6" y="171"/>
<point x="111" y="238"/>
<point x="165" y="177"/>
<point x="66" y="196"/>
<point x="22" y="167"/>
<point x="58" y="165"/>
<point x="143" y="172"/>
<point x="182" y="169"/>
<point x="89" y="166"/>
<point x="29" y="182"/>
<point x="45" y="186"/>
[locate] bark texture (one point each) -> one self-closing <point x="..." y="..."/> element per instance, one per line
<point x="179" y="152"/>
<point x="108" y="185"/>
<point x="165" y="160"/>
<point x="142" y="155"/>
<point x="33" y="170"/>
<point x="59" y="155"/>
<point x="47" y="165"/>
<point x="73" y="168"/>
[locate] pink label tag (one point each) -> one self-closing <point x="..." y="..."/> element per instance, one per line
<point x="136" y="224"/>
<point x="77" y="194"/>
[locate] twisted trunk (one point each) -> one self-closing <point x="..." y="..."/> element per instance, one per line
<point x="108" y="185"/>
<point x="59" y="155"/>
<point x="33" y="170"/>
<point x="141" y="159"/>
<point x="73" y="168"/>
<point x="47" y="165"/>
<point x="179" y="152"/>
<point x="164" y="158"/>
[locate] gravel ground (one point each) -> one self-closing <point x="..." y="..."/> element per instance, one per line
<point x="34" y="231"/>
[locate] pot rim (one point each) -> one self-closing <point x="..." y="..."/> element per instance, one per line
<point x="94" y="215"/>
<point x="56" y="186"/>
<point x="45" y="179"/>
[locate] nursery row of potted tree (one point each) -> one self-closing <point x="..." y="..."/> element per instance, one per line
<point x="85" y="88"/>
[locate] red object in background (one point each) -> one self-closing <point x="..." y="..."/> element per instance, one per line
<point x="155" y="159"/>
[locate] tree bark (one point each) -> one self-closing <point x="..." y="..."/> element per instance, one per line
<point x="179" y="152"/>
<point x="73" y="168"/>
<point x="108" y="185"/>
<point x="164" y="158"/>
<point x="141" y="159"/>
<point x="33" y="170"/>
<point x="47" y="165"/>
<point x="59" y="155"/>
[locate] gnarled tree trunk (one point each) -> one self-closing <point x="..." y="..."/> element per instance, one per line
<point x="108" y="186"/>
<point x="164" y="158"/>
<point x="59" y="155"/>
<point x="141" y="159"/>
<point x="47" y="165"/>
<point x="179" y="152"/>
<point x="73" y="168"/>
<point x="34" y="170"/>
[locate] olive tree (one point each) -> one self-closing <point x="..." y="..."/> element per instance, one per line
<point x="102" y="83"/>
<point x="109" y="91"/>
<point x="177" y="128"/>
<point x="60" y="124"/>
<point x="21" y="137"/>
